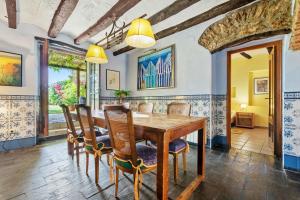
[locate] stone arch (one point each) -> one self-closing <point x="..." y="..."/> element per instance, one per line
<point x="256" y="21"/>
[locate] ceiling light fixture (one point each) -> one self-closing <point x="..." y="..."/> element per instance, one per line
<point x="140" y="34"/>
<point x="96" y="54"/>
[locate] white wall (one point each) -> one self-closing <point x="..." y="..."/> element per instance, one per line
<point x="21" y="41"/>
<point x="118" y="63"/>
<point x="192" y="64"/>
<point x="292" y="69"/>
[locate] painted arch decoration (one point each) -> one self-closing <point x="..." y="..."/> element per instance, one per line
<point x="256" y="21"/>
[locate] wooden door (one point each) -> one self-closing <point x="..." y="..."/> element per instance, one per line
<point x="44" y="88"/>
<point x="271" y="121"/>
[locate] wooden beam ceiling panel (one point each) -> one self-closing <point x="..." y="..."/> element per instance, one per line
<point x="165" y="13"/>
<point x="61" y="15"/>
<point x="210" y="14"/>
<point x="171" y="10"/>
<point x="106" y="20"/>
<point x="11" y="8"/>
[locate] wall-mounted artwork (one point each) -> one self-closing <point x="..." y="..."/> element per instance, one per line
<point x="261" y="85"/>
<point x="10" y="69"/>
<point x="112" y="80"/>
<point x="157" y="70"/>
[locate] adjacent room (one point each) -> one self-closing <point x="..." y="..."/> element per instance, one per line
<point x="149" y="99"/>
<point x="250" y="105"/>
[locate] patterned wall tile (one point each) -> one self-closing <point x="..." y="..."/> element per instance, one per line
<point x="218" y="115"/>
<point x="18" y="116"/>
<point x="291" y="133"/>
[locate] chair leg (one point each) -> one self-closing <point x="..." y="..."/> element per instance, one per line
<point x="175" y="164"/>
<point x="184" y="161"/>
<point x="77" y="153"/>
<point x="96" y="169"/>
<point x="136" y="186"/>
<point x="117" y="182"/>
<point x="87" y="163"/>
<point x="107" y="158"/>
<point x="70" y="148"/>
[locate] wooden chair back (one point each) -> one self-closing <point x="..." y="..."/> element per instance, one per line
<point x="179" y="109"/>
<point x="145" y="107"/>
<point x="86" y="122"/>
<point x="121" y="131"/>
<point x="69" y="120"/>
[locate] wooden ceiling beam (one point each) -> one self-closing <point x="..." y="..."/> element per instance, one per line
<point x="167" y="12"/>
<point x="210" y="14"/>
<point x="171" y="10"/>
<point x="11" y="8"/>
<point x="106" y="20"/>
<point x="61" y="15"/>
<point x="246" y="55"/>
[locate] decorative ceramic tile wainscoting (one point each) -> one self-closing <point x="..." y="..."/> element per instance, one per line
<point x="291" y="133"/>
<point x="18" y="121"/>
<point x="200" y="107"/>
<point x="218" y="121"/>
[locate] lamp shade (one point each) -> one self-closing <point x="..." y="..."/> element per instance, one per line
<point x="140" y="34"/>
<point x="96" y="54"/>
<point x="243" y="106"/>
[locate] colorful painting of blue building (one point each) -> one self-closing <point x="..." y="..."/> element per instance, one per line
<point x="156" y="70"/>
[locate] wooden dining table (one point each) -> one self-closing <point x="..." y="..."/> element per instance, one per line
<point x="162" y="129"/>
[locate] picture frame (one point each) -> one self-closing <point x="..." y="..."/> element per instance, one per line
<point x="261" y="85"/>
<point x="161" y="61"/>
<point x="10" y="69"/>
<point x="112" y="79"/>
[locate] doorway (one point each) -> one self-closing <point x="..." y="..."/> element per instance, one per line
<point x="254" y="99"/>
<point x="63" y="77"/>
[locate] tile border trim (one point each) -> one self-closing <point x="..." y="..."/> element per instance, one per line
<point x="291" y="162"/>
<point x="19" y="97"/>
<point x="17" y="143"/>
<point x="167" y="97"/>
<point x="292" y="95"/>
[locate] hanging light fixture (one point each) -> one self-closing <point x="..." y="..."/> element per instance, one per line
<point x="96" y="54"/>
<point x="140" y="34"/>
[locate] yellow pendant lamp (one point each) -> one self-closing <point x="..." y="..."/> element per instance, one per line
<point x="96" y="54"/>
<point x="140" y="34"/>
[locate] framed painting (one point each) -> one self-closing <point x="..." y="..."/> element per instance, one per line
<point x="10" y="69"/>
<point x="157" y="69"/>
<point x="112" y="80"/>
<point x="261" y="85"/>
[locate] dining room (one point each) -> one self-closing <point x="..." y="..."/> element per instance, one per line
<point x="115" y="99"/>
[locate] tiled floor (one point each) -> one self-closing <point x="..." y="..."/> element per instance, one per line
<point x="46" y="172"/>
<point x="254" y="140"/>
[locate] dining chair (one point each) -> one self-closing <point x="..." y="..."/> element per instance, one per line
<point x="129" y="156"/>
<point x="74" y="137"/>
<point x="145" y="107"/>
<point x="95" y="145"/>
<point x="180" y="145"/>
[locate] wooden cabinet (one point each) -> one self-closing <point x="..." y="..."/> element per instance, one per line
<point x="244" y="119"/>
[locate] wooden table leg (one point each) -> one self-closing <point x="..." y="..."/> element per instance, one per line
<point x="200" y="166"/>
<point x="201" y="152"/>
<point x="162" y="177"/>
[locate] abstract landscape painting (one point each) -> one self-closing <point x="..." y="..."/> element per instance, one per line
<point x="156" y="70"/>
<point x="10" y="69"/>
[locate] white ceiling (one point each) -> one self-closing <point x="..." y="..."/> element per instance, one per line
<point x="87" y="12"/>
<point x="254" y="52"/>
